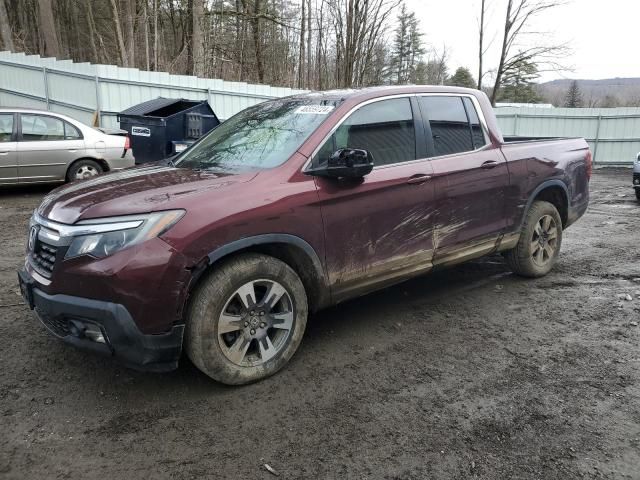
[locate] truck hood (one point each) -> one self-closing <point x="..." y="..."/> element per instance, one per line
<point x="138" y="190"/>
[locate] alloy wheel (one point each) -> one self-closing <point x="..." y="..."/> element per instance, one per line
<point x="255" y="323"/>
<point x="545" y="240"/>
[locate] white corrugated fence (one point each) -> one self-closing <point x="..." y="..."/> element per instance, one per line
<point x="83" y="90"/>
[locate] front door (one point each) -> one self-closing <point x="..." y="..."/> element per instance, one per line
<point x="471" y="179"/>
<point x="378" y="230"/>
<point x="8" y="147"/>
<point x="47" y="146"/>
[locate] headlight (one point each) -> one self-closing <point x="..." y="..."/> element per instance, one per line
<point x="114" y="234"/>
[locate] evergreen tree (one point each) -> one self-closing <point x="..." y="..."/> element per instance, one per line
<point x="518" y="83"/>
<point x="574" y="96"/>
<point x="462" y="78"/>
<point x="407" y="48"/>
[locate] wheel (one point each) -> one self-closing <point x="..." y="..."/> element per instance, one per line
<point x="83" y="169"/>
<point x="540" y="241"/>
<point x="246" y="319"/>
<point x="638" y="194"/>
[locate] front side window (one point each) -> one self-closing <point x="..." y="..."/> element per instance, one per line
<point x="384" y="128"/>
<point x="260" y="137"/>
<point x="6" y="127"/>
<point x="41" y="128"/>
<point x="451" y="128"/>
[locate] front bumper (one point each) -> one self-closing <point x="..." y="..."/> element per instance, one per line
<point x="103" y="327"/>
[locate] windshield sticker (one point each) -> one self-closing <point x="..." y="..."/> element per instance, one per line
<point x="315" y="109"/>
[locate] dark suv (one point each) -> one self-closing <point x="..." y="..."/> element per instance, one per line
<point x="287" y="207"/>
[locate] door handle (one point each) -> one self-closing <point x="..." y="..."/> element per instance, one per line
<point x="418" y="179"/>
<point x="73" y="150"/>
<point x="4" y="153"/>
<point x="489" y="164"/>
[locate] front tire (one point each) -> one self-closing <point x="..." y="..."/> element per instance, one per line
<point x="638" y="194"/>
<point x="540" y="241"/>
<point x="246" y="319"/>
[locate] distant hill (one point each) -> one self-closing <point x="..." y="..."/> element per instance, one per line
<point x="610" y="92"/>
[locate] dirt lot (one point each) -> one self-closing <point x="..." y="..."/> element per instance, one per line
<point x="469" y="373"/>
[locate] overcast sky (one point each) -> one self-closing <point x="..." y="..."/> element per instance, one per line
<point x="603" y="34"/>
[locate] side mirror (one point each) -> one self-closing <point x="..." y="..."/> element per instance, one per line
<point x="346" y="163"/>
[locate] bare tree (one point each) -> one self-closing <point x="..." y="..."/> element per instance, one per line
<point x="119" y="38"/>
<point x="481" y="44"/>
<point x="197" y="49"/>
<point x="518" y="16"/>
<point x="5" y="28"/>
<point x="48" y="28"/>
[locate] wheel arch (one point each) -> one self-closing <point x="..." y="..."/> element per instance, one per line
<point x="292" y="250"/>
<point x="554" y="192"/>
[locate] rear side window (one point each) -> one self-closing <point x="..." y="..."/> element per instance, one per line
<point x="71" y="132"/>
<point x="41" y="128"/>
<point x="384" y="128"/>
<point x="6" y="127"/>
<point x="451" y="128"/>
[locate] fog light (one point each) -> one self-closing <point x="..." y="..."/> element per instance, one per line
<point x="94" y="334"/>
<point x="90" y="331"/>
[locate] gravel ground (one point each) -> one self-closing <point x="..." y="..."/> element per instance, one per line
<point x="467" y="373"/>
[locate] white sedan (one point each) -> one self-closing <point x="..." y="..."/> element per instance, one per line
<point x="38" y="146"/>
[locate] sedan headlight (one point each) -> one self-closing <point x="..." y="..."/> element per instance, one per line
<point x="106" y="236"/>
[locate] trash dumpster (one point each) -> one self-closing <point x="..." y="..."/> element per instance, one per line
<point x="162" y="127"/>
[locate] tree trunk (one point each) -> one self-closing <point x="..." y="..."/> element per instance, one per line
<point x="257" y="41"/>
<point x="197" y="50"/>
<point x="301" y="75"/>
<point x="155" y="35"/>
<point x="308" y="43"/>
<point x="145" y="15"/>
<point x="481" y="46"/>
<point x="129" y="22"/>
<point x="48" y="29"/>
<point x="503" y="55"/>
<point x="119" y="37"/>
<point x="92" y="33"/>
<point x="5" y="28"/>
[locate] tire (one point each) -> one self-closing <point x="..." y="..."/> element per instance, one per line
<point x="83" y="169"/>
<point x="638" y="194"/>
<point x="219" y="324"/>
<point x="535" y="254"/>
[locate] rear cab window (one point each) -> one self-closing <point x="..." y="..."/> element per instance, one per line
<point x="385" y="128"/>
<point x="454" y="124"/>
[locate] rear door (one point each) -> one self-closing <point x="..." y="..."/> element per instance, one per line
<point x="8" y="149"/>
<point x="47" y="145"/>
<point x="470" y="175"/>
<point x="378" y="229"/>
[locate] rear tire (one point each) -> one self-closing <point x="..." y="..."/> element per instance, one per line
<point x="246" y="319"/>
<point x="83" y="169"/>
<point x="540" y="241"/>
<point x="638" y="194"/>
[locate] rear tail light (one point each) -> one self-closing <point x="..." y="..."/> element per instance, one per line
<point x="589" y="160"/>
<point x="127" y="143"/>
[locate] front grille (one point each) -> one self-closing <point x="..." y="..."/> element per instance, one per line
<point x="43" y="258"/>
<point x="57" y="325"/>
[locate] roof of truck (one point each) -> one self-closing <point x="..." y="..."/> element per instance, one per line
<point x="373" y="92"/>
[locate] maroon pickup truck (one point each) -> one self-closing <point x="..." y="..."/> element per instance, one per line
<point x="288" y="207"/>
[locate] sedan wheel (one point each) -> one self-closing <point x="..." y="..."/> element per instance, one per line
<point x="86" y="171"/>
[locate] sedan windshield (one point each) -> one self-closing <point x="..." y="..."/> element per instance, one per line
<point x="260" y="137"/>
